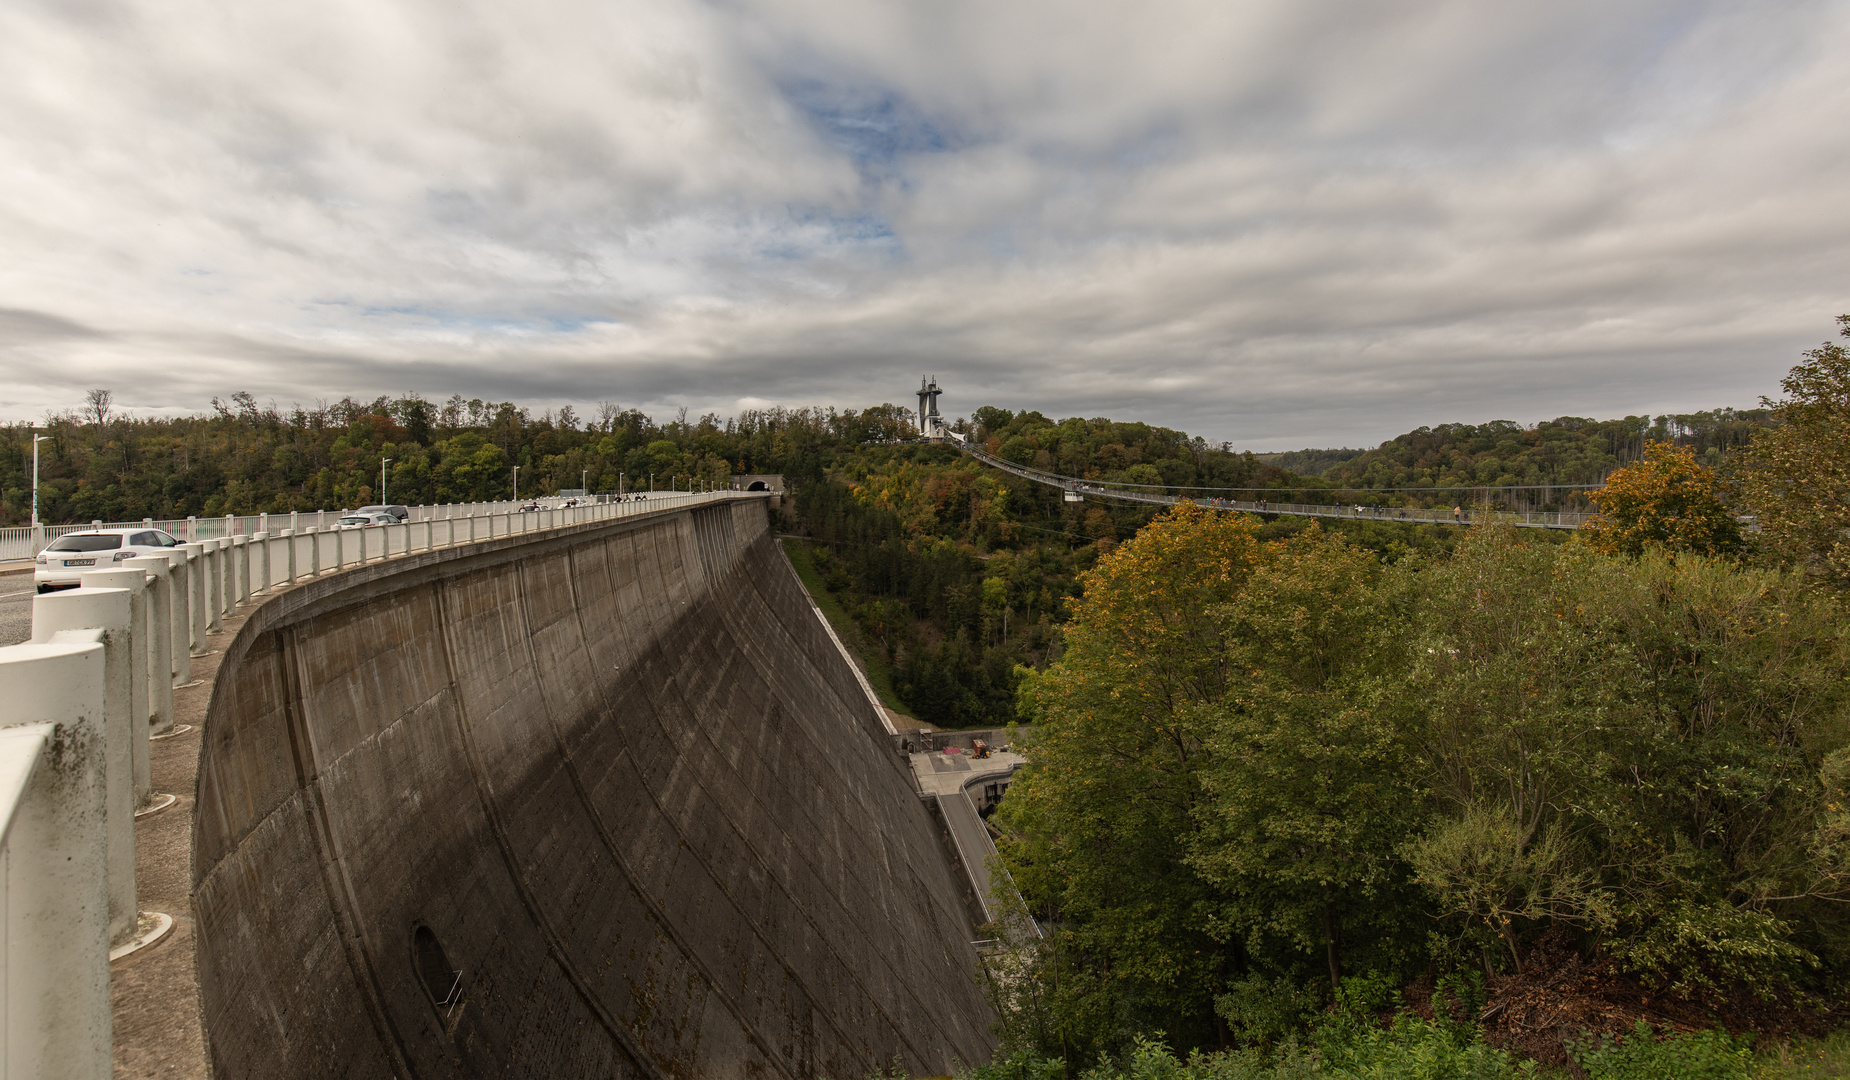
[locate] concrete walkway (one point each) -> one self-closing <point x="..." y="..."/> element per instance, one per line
<point x="948" y="777"/>
<point x="154" y="993"/>
<point x="946" y="774"/>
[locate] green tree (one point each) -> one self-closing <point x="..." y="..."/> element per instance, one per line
<point x="1098" y="825"/>
<point x="1638" y="751"/>
<point x="1796" y="476"/>
<point x="1306" y="785"/>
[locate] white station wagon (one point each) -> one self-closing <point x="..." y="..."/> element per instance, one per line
<point x="62" y="563"/>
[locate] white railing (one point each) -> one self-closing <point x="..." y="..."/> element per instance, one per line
<point x="54" y="909"/>
<point x="22" y="542"/>
<point x="77" y="707"/>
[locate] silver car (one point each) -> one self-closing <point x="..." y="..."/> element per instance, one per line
<point x="62" y="563"/>
<point x="365" y="519"/>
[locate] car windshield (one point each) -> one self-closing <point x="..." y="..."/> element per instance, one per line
<point x="85" y="543"/>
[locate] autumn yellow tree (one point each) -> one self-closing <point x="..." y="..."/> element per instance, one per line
<point x="1666" y="501"/>
<point x="1796" y="475"/>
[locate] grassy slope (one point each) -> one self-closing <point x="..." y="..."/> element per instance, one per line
<point x="873" y="662"/>
<point x="1810" y="1058"/>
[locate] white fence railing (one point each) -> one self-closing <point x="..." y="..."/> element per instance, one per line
<point x="22" y="542"/>
<point x="78" y="705"/>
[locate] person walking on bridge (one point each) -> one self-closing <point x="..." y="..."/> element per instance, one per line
<point x="1456" y="511"/>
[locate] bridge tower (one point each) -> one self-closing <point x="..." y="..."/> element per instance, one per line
<point x="931" y="425"/>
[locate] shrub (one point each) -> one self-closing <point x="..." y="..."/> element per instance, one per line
<point x="1703" y="1055"/>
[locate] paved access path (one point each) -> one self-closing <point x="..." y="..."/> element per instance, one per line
<point x="947" y="777"/>
<point x="16" y="594"/>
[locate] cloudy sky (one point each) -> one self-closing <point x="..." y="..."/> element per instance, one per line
<point x="1277" y="222"/>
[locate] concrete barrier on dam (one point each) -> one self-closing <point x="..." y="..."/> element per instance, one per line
<point x="600" y="801"/>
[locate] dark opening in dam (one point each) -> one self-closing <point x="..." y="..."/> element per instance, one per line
<point x="603" y="801"/>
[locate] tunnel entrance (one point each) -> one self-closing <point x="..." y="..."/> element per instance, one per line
<point x="758" y="485"/>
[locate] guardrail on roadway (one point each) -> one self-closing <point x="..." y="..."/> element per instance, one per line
<point x="21" y="542"/>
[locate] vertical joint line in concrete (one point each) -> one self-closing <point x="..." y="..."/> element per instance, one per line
<point x="334" y="880"/>
<point x="492" y="813"/>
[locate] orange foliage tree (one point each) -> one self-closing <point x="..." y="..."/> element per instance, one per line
<point x="1667" y="501"/>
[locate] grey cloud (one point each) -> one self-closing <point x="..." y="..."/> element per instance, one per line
<point x="22" y="327"/>
<point x="1280" y="223"/>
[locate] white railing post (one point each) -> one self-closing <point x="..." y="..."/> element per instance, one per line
<point x="260" y="562"/>
<point x="140" y="659"/>
<point x="198" y="592"/>
<point x="160" y="643"/>
<point x="181" y="629"/>
<point x="215" y="583"/>
<point x="54" y="921"/>
<point x="314" y="551"/>
<point x="232" y="550"/>
<point x="240" y="572"/>
<point x="289" y="543"/>
<point x="192" y="529"/>
<point x="107" y="613"/>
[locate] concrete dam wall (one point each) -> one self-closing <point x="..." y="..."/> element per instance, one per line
<point x="604" y="801"/>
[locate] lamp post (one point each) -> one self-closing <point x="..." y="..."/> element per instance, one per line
<point x="651" y="481"/>
<point x="383" y="462"/>
<point x="36" y="440"/>
<point x="582" y="473"/>
<point x="516" y="483"/>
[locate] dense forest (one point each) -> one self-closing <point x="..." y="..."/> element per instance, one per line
<point x="1307" y="808"/>
<point x="246" y="459"/>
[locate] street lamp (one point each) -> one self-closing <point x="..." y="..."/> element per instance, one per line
<point x="36" y="440"/>
<point x="383" y="462"/>
<point x="516" y="483"/>
<point x="582" y="473"/>
<point x="619" y="487"/>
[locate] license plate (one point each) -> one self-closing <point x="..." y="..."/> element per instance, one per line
<point x="80" y="562"/>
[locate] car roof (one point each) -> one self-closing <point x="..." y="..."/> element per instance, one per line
<point x="112" y="532"/>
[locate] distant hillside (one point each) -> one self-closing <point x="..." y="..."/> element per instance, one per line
<point x="1566" y="450"/>
<point x="1308" y="462"/>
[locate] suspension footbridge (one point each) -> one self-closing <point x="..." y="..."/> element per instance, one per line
<point x="1078" y="490"/>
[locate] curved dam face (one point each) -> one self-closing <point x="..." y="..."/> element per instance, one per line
<point x="605" y="801"/>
